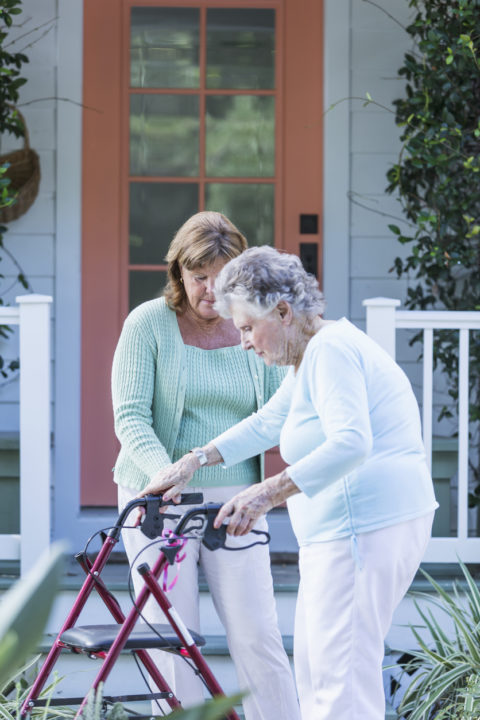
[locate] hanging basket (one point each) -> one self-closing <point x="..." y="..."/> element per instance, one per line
<point x="24" y="175"/>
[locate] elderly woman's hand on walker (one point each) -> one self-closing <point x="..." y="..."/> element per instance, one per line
<point x="243" y="510"/>
<point x="172" y="480"/>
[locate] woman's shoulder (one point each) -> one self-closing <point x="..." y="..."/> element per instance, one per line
<point x="340" y="339"/>
<point x="337" y="332"/>
<point x="151" y="313"/>
<point x="152" y="322"/>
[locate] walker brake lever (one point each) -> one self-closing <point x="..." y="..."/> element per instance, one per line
<point x="214" y="538"/>
<point x="152" y="523"/>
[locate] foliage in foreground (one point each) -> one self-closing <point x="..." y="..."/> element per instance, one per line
<point x="24" y="610"/>
<point x="445" y="668"/>
<point x="14" y="692"/>
<point x="214" y="709"/>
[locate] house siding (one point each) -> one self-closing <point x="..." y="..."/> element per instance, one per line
<point x="378" y="44"/>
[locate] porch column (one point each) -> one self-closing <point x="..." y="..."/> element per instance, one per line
<point x="381" y="321"/>
<point x="35" y="399"/>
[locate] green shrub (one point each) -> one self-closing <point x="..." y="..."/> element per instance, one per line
<point x="445" y="668"/>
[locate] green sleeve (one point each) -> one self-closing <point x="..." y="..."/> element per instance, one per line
<point x="133" y="379"/>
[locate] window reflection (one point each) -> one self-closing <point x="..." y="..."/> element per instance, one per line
<point x="165" y="128"/>
<point x="157" y="209"/>
<point x="164" y="135"/>
<point x="249" y="205"/>
<point x="164" y="47"/>
<point x="145" y="285"/>
<point x="241" y="48"/>
<point x="240" y="136"/>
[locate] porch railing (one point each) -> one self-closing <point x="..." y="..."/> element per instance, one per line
<point x="383" y="319"/>
<point x="32" y="315"/>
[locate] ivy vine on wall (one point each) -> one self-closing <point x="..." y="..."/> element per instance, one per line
<point x="437" y="179"/>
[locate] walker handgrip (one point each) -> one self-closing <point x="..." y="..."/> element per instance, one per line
<point x="186" y="499"/>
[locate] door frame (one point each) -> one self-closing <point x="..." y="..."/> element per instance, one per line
<point x="105" y="193"/>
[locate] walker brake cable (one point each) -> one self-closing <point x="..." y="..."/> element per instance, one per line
<point x="174" y="555"/>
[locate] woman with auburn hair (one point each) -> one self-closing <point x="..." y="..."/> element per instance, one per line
<point x="180" y="377"/>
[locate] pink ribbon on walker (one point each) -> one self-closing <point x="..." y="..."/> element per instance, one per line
<point x="175" y="541"/>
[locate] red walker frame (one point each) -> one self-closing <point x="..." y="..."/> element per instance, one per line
<point x="187" y="645"/>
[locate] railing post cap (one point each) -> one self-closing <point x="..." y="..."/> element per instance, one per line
<point x="32" y="299"/>
<point x="381" y="302"/>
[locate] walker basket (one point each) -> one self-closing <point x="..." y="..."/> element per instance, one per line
<point x="24" y="175"/>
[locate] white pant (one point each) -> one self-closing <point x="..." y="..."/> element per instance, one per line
<point x="344" y="610"/>
<point x="241" y="587"/>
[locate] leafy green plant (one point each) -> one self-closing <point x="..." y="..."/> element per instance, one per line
<point x="24" y="610"/>
<point x="214" y="709"/>
<point x="6" y="195"/>
<point x="437" y="180"/>
<point x="15" y="690"/>
<point x="11" y="79"/>
<point x="211" y="710"/>
<point x="10" y="83"/>
<point x="445" y="669"/>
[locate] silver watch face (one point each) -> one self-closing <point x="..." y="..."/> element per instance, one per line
<point x="202" y="458"/>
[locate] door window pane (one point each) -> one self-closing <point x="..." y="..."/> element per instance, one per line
<point x="156" y="212"/>
<point x="240" y="136"/>
<point x="164" y="135"/>
<point x="249" y="205"/>
<point x="164" y="47"/>
<point x="241" y="48"/>
<point x="145" y="285"/>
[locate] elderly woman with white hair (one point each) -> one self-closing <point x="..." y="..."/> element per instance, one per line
<point x="357" y="485"/>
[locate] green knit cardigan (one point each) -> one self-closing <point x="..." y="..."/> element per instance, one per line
<point x="148" y="391"/>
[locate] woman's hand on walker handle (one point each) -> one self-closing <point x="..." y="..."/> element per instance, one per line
<point x="172" y="480"/>
<point x="243" y="510"/>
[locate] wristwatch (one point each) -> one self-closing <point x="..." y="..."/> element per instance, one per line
<point x="202" y="458"/>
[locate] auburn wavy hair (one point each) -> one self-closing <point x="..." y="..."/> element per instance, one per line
<point x="202" y="239"/>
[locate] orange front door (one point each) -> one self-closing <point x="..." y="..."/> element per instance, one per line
<point x="188" y="105"/>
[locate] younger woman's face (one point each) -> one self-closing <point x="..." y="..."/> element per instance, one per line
<point x="199" y="285"/>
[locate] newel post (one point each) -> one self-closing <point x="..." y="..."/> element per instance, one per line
<point x="35" y="399"/>
<point x="381" y="321"/>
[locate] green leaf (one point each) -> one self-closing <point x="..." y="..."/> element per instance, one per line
<point x="394" y="229"/>
<point x="24" y="610"/>
<point x="211" y="710"/>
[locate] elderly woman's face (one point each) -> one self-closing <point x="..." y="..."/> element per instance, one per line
<point x="267" y="335"/>
<point x="199" y="284"/>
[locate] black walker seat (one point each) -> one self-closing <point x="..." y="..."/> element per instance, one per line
<point x="99" y="638"/>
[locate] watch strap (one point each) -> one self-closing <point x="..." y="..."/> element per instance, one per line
<point x="202" y="458"/>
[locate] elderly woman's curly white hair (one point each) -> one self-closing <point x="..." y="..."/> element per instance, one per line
<point x="262" y="277"/>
